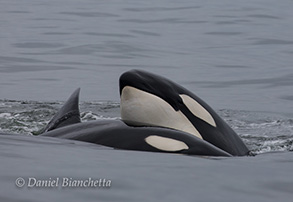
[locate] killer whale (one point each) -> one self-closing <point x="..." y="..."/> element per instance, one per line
<point x="149" y="99"/>
<point x="67" y="115"/>
<point x="197" y="131"/>
<point x="119" y="135"/>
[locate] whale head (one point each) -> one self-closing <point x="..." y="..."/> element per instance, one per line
<point x="152" y="100"/>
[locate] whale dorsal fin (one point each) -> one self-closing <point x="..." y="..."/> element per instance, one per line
<point x="67" y="115"/>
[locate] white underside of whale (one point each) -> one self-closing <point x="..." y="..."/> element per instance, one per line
<point x="145" y="109"/>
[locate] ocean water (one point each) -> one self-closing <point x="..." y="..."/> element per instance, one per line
<point x="236" y="55"/>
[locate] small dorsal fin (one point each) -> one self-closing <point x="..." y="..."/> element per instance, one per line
<point x="67" y="115"/>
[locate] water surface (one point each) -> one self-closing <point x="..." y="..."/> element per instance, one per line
<point x="236" y="55"/>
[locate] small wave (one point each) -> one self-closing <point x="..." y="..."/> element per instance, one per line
<point x="262" y="132"/>
<point x="5" y="115"/>
<point x="263" y="144"/>
<point x="90" y="116"/>
<point x="28" y="117"/>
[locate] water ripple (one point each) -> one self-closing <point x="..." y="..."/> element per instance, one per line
<point x="272" y="42"/>
<point x="38" y="45"/>
<point x="157" y="9"/>
<point x="164" y="20"/>
<point x="286" y="80"/>
<point x="89" y="14"/>
<point x="263" y="16"/>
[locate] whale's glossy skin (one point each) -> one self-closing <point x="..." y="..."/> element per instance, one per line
<point x="207" y="124"/>
<point x="116" y="134"/>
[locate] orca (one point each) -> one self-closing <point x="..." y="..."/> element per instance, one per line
<point x="157" y="115"/>
<point x="67" y="115"/>
<point x="117" y="134"/>
<point x="152" y="100"/>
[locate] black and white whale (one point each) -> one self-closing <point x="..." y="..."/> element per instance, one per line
<point x="117" y="134"/>
<point x="156" y="115"/>
<point x="149" y="99"/>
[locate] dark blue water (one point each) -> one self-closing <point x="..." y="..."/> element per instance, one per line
<point x="236" y="55"/>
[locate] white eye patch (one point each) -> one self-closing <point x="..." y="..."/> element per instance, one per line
<point x="141" y="108"/>
<point x="198" y="110"/>
<point x="165" y="144"/>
